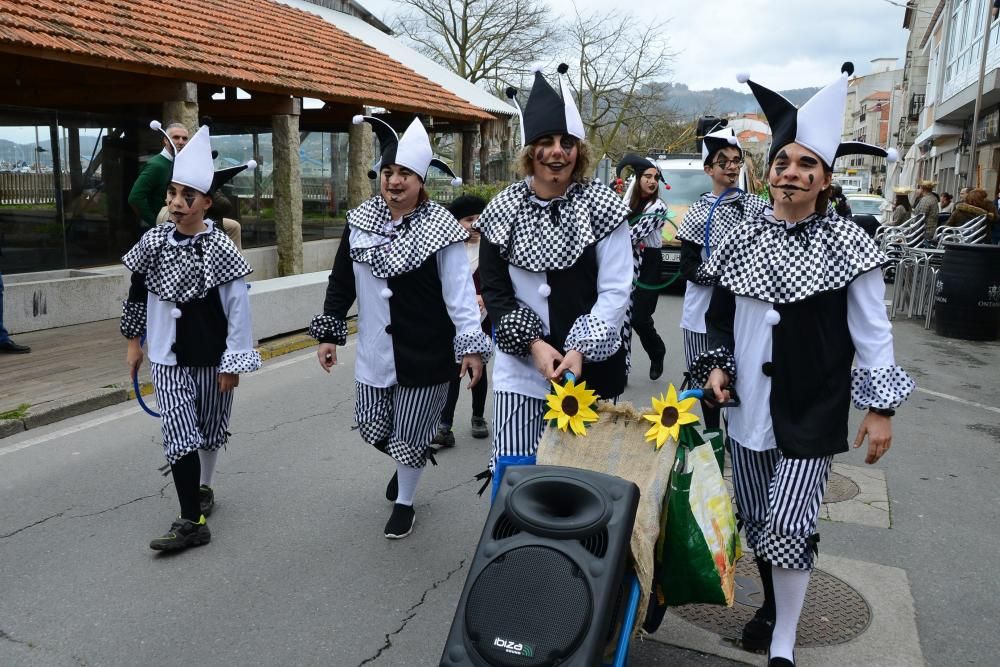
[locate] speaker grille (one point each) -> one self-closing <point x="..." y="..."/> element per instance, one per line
<point x="529" y="606"/>
<point x="597" y="544"/>
<point x="504" y="528"/>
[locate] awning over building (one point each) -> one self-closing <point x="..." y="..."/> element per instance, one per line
<point x="937" y="130"/>
<point x="258" y="45"/>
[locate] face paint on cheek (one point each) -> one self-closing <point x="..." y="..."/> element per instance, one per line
<point x="786" y="195"/>
<point x="812" y="179"/>
<point x="189" y="200"/>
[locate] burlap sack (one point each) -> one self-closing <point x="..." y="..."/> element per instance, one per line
<point x="616" y="445"/>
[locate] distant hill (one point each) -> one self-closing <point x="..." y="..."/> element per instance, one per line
<point x="719" y="101"/>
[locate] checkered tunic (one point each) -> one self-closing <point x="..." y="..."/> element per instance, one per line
<point x="734" y="209"/>
<point x="538" y="236"/>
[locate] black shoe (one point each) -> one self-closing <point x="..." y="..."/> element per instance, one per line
<point x="656" y="366"/>
<point x="444" y="439"/>
<point x="757" y="632"/>
<point x="206" y="496"/>
<point x="10" y="347"/>
<point x="392" y="488"/>
<point x="479" y="428"/>
<point x="183" y="533"/>
<point x="779" y="662"/>
<point x="401" y="522"/>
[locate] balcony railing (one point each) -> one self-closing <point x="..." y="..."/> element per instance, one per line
<point x="916" y="104"/>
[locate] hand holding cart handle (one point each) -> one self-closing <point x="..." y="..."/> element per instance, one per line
<point x="705" y="394"/>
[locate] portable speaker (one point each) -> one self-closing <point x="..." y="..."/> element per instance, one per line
<point x="544" y="585"/>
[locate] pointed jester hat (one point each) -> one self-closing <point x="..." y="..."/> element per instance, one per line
<point x="546" y="111"/>
<point x="718" y="138"/>
<point x="412" y="150"/>
<point x="194" y="164"/>
<point x="638" y="164"/>
<point x="817" y="125"/>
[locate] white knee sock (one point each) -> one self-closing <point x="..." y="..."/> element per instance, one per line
<point x="408" y="478"/>
<point x="207" y="466"/>
<point x="789" y="595"/>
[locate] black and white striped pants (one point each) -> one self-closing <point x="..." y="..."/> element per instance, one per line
<point x="517" y="424"/>
<point x="778" y="501"/>
<point x="694" y="344"/>
<point x="194" y="414"/>
<point x="400" y="420"/>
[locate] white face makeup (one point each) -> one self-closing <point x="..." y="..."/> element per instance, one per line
<point x="724" y="169"/>
<point x="400" y="188"/>
<point x="797" y="177"/>
<point x="648" y="183"/>
<point x="555" y="159"/>
<point x="186" y="207"/>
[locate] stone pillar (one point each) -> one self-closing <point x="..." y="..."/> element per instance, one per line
<point x="484" y="152"/>
<point x="359" y="161"/>
<point x="184" y="109"/>
<point x="468" y="157"/>
<point x="287" y="182"/>
<point x="75" y="168"/>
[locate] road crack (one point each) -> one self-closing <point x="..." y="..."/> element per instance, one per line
<point x="278" y="425"/>
<point x="160" y="494"/>
<point x="32" y="525"/>
<point x="410" y="614"/>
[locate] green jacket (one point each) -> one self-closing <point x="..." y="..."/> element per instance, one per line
<point x="150" y="189"/>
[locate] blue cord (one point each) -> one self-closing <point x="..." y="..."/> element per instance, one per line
<point x="138" y="390"/>
<point x="708" y="222"/>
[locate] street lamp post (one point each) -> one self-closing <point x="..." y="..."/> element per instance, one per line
<point x="974" y="141"/>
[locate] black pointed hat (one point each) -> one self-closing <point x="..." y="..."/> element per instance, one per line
<point x="548" y="112"/>
<point x="638" y="164"/>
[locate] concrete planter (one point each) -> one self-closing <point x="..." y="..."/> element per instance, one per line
<point x="49" y="299"/>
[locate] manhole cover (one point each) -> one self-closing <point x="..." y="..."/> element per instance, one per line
<point x="834" y="612"/>
<point x="840" y="488"/>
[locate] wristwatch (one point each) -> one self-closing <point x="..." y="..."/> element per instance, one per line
<point x="885" y="412"/>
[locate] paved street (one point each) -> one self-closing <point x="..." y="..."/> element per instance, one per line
<point x="298" y="572"/>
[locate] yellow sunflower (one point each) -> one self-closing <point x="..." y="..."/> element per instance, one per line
<point x="570" y="405"/>
<point x="669" y="416"/>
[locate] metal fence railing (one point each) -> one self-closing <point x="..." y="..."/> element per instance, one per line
<point x="26" y="188"/>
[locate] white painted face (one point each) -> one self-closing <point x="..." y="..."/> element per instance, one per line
<point x="648" y="184"/>
<point x="797" y="176"/>
<point x="400" y="187"/>
<point x="555" y="158"/>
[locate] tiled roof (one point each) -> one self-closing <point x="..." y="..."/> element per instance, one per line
<point x="255" y="44"/>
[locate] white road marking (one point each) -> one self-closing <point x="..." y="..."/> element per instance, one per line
<point x="964" y="401"/>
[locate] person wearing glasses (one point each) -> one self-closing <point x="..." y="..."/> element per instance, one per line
<point x="714" y="215"/>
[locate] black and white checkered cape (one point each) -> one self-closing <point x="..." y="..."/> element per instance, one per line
<point x="390" y="249"/>
<point x="763" y="259"/>
<point x="734" y="209"/>
<point x="182" y="273"/>
<point x="537" y="236"/>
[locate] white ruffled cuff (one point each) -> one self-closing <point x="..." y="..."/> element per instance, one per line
<point x="594" y="338"/>
<point x="240" y="362"/>
<point x="884" y="388"/>
<point x="473" y="341"/>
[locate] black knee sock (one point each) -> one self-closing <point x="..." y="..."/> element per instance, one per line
<point x="187" y="478"/>
<point x="767" y="583"/>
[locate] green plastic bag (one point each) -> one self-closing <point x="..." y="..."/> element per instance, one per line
<point x="699" y="543"/>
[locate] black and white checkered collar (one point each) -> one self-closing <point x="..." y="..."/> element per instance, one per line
<point x="392" y="248"/>
<point x="731" y="211"/>
<point x="183" y="272"/>
<point x="547" y="235"/>
<point x="765" y="259"/>
<point x="185" y="239"/>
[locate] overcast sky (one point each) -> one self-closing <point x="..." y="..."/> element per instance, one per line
<point x="782" y="43"/>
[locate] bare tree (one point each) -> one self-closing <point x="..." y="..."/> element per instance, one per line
<point x="492" y="41"/>
<point x="617" y="58"/>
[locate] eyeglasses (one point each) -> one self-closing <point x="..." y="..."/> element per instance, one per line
<point x="723" y="163"/>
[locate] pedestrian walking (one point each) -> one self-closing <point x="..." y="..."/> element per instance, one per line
<point x="403" y="260"/>
<point x="467" y="210"/>
<point x="188" y="297"/>
<point x="717" y="212"/>
<point x="799" y="299"/>
<point x="647" y="216"/>
<point x="8" y="346"/>
<point x="556" y="268"/>
<point x="927" y="204"/>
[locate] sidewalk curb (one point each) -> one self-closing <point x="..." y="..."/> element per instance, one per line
<point x="48" y="413"/>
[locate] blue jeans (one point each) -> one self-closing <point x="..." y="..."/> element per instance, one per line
<point x="4" y="336"/>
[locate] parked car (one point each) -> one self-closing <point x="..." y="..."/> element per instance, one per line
<point x="868" y="211"/>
